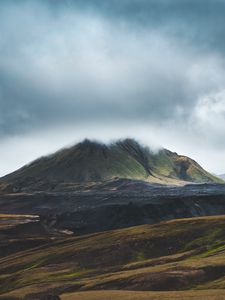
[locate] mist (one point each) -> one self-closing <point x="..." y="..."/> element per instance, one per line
<point x="141" y="69"/>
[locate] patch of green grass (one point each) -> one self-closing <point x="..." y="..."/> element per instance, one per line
<point x="139" y="256"/>
<point x="210" y="238"/>
<point x="213" y="250"/>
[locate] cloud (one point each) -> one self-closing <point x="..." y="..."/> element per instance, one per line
<point x="85" y="65"/>
<point x="209" y="117"/>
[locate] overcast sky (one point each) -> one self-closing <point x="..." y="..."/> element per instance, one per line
<point x="106" y="69"/>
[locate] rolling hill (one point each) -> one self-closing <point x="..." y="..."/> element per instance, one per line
<point x="186" y="256"/>
<point x="91" y="161"/>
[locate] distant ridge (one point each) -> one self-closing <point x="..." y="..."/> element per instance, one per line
<point x="222" y="176"/>
<point x="91" y="161"/>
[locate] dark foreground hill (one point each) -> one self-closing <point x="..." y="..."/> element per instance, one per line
<point x="95" y="162"/>
<point x="187" y="256"/>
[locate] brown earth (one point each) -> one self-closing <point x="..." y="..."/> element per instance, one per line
<point x="181" y="255"/>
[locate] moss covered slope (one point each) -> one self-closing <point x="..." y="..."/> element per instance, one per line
<point x="92" y="161"/>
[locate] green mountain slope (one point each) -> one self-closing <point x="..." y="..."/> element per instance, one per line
<point x="95" y="162"/>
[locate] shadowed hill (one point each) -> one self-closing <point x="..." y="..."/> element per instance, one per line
<point x="184" y="254"/>
<point x="90" y="161"/>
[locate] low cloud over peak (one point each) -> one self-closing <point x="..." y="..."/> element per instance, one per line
<point x="88" y="65"/>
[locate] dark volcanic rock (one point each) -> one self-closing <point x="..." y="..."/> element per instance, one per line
<point x="103" y="207"/>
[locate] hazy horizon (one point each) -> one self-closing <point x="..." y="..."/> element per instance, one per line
<point x="152" y="70"/>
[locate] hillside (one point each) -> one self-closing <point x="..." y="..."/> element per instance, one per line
<point x="95" y="162"/>
<point x="181" y="255"/>
<point x="131" y="295"/>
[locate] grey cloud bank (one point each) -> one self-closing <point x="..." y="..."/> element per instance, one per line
<point x="68" y="69"/>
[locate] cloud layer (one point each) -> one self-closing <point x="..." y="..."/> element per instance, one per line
<point x="102" y="69"/>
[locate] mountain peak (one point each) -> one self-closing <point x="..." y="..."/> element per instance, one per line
<point x="92" y="161"/>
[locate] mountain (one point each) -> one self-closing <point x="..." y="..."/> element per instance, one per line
<point x="222" y="176"/>
<point x="91" y="161"/>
